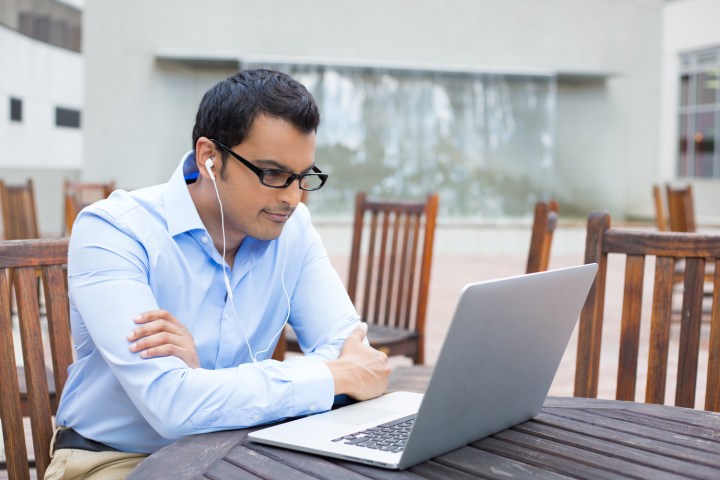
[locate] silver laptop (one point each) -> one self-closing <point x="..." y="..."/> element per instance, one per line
<point x="495" y="368"/>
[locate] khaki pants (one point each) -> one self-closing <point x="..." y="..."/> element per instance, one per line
<point x="70" y="464"/>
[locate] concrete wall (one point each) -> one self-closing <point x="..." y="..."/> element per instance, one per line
<point x="139" y="112"/>
<point x="688" y="25"/>
<point x="43" y="77"/>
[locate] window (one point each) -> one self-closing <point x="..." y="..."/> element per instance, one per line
<point x="699" y="114"/>
<point x="52" y="21"/>
<point x="67" y="117"/>
<point x="15" y="109"/>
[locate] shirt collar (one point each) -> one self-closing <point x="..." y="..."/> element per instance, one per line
<point x="180" y="210"/>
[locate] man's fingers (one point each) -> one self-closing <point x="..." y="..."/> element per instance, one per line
<point x="155" y="340"/>
<point x="161" y="351"/>
<point x="154" y="327"/>
<point x="159" y="334"/>
<point x="152" y="315"/>
<point x="360" y="332"/>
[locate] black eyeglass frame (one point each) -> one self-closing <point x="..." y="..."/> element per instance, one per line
<point x="261" y="172"/>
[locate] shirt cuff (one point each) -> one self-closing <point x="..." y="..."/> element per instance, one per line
<point x="313" y="388"/>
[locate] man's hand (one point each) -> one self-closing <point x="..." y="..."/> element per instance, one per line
<point x="161" y="335"/>
<point x="360" y="371"/>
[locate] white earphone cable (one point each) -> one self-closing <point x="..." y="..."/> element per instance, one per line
<point x="287" y="297"/>
<point x="229" y="289"/>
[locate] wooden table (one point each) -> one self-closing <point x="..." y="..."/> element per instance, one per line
<point x="571" y="437"/>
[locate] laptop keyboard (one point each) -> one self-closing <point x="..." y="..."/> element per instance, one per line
<point x="389" y="437"/>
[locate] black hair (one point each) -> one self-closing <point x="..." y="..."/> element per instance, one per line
<point x="228" y="110"/>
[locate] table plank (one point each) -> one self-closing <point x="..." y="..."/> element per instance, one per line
<point x="560" y="455"/>
<point x="638" y="438"/>
<point x="484" y="464"/>
<point x="248" y="460"/>
<point x="438" y="471"/>
<point x="221" y="470"/>
<point x="377" y="473"/>
<point x="543" y="461"/>
<point x="188" y="458"/>
<point x="709" y="434"/>
<point x="309" y="464"/>
<point x="619" y="450"/>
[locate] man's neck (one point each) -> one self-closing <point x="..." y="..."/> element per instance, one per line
<point x="206" y="202"/>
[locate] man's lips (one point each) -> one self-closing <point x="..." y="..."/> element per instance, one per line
<point x="278" y="216"/>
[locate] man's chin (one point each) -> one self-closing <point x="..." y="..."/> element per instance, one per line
<point x="268" y="234"/>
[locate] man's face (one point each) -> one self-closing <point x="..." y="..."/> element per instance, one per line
<point x="251" y="208"/>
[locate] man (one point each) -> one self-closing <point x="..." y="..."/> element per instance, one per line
<point x="204" y="272"/>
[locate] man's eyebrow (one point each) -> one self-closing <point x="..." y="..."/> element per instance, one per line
<point x="279" y="166"/>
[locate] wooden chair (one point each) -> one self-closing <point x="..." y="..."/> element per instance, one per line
<point x="24" y="257"/>
<point x="389" y="275"/>
<point x="18" y="209"/>
<point x="79" y="195"/>
<point x="544" y="223"/>
<point x="666" y="247"/>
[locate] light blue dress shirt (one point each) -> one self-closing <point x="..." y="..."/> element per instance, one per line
<point x="147" y="249"/>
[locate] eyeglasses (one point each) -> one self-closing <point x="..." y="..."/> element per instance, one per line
<point x="281" y="178"/>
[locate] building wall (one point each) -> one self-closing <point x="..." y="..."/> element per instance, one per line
<point x="139" y="111"/>
<point x="688" y="25"/>
<point x="43" y="77"/>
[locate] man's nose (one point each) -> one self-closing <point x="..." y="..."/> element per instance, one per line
<point x="291" y="194"/>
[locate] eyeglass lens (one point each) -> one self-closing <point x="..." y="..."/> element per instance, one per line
<point x="278" y="178"/>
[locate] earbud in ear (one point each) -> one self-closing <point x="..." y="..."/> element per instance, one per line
<point x="209" y="164"/>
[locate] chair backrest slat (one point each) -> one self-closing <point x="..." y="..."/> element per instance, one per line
<point x="394" y="233"/>
<point x="660" y="330"/>
<point x="404" y="289"/>
<point x="667" y="248"/>
<point x="712" y="391"/>
<point x="376" y="315"/>
<point x="690" y="317"/>
<point x="10" y="412"/>
<point x="630" y="327"/>
<point x="24" y="258"/>
<point x="31" y="338"/>
<point x="56" y="306"/>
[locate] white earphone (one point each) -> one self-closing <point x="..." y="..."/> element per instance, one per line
<point x="209" y="164"/>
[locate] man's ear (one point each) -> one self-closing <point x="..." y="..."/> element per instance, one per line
<point x="205" y="149"/>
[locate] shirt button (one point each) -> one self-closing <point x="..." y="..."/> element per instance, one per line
<point x="313" y="407"/>
<point x="255" y="418"/>
<point x="204" y="239"/>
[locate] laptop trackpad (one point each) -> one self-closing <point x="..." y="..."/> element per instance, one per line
<point x="358" y="415"/>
